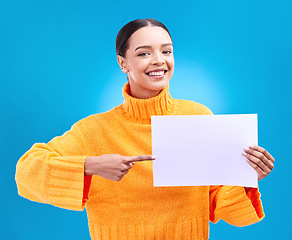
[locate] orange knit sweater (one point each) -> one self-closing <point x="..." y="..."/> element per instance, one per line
<point x="131" y="208"/>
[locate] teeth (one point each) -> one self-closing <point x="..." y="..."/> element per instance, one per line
<point x="156" y="73"/>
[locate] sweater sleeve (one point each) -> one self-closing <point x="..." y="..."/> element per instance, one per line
<point x="235" y="206"/>
<point x="53" y="173"/>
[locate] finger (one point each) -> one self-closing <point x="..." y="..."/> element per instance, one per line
<point x="261" y="174"/>
<point x="132" y="164"/>
<point x="125" y="171"/>
<point x="263" y="151"/>
<point x="120" y="176"/>
<point x="260" y="156"/>
<point x="128" y="165"/>
<point x="258" y="162"/>
<point x="140" y="158"/>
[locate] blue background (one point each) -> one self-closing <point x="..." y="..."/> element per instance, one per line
<point x="58" y="65"/>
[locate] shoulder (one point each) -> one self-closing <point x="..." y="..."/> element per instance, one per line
<point x="187" y="107"/>
<point x="94" y="120"/>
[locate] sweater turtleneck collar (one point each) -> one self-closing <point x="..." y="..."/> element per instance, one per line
<point x="162" y="104"/>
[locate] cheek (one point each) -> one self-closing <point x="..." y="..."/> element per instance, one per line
<point x="171" y="66"/>
<point x="140" y="67"/>
<point x="172" y="61"/>
<point x="137" y="72"/>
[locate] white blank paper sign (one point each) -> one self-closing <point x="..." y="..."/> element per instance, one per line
<point x="200" y="150"/>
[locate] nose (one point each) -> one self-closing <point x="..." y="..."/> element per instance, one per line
<point x="157" y="59"/>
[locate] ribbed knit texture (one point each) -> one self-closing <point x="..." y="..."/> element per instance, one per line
<point x="132" y="208"/>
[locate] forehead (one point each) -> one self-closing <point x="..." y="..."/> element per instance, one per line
<point x="149" y="36"/>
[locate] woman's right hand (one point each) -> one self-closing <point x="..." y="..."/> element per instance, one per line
<point x="112" y="166"/>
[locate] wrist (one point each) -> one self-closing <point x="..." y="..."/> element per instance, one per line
<point x="87" y="166"/>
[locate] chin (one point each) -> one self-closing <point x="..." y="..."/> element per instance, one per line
<point x="159" y="85"/>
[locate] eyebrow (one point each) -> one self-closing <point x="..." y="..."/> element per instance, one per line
<point x="148" y="46"/>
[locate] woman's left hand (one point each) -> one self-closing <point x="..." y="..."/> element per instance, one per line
<point x="259" y="159"/>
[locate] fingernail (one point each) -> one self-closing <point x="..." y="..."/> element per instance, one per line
<point x="247" y="160"/>
<point x="244" y="153"/>
<point x="252" y="146"/>
<point x="153" y="157"/>
<point x="246" y="148"/>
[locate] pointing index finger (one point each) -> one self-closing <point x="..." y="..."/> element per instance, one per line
<point x="140" y="158"/>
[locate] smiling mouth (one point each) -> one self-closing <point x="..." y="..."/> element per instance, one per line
<point x="157" y="73"/>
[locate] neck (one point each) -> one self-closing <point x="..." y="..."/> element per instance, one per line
<point x="140" y="92"/>
<point x="138" y="108"/>
<point x="144" y="94"/>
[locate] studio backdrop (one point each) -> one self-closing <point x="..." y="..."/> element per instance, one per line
<point x="58" y="65"/>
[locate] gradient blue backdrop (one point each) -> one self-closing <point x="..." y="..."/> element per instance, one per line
<point x="58" y="65"/>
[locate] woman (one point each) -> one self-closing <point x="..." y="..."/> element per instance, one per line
<point x="84" y="166"/>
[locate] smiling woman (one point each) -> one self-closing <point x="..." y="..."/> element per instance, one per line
<point x="148" y="61"/>
<point x="104" y="162"/>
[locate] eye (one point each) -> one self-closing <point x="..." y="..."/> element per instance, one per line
<point x="143" y="54"/>
<point x="167" y="52"/>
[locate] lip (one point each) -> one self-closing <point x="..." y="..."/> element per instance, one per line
<point x="157" y="70"/>
<point x="157" y="77"/>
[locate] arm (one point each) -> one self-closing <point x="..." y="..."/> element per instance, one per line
<point x="237" y="205"/>
<point x="54" y="173"/>
<point x="59" y="173"/>
<point x="234" y="206"/>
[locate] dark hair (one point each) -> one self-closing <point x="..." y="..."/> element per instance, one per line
<point x="122" y="40"/>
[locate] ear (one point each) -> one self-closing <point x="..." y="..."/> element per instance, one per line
<point x="122" y="63"/>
